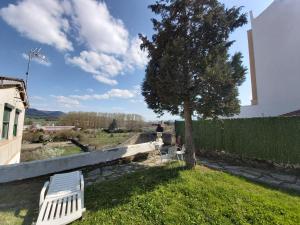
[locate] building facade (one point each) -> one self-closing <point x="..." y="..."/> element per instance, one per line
<point x="274" y="50"/>
<point x="13" y="102"/>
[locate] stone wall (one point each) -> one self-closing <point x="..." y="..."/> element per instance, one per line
<point x="32" y="169"/>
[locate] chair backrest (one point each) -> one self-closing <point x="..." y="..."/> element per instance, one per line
<point x="183" y="148"/>
<point x="62" y="184"/>
<point x="159" y="137"/>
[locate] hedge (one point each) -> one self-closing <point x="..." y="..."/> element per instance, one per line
<point x="276" y="138"/>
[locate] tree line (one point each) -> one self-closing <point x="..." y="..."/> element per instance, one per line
<point x="96" y="120"/>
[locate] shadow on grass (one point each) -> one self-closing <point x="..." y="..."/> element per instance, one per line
<point x="19" y="201"/>
<point x="107" y="195"/>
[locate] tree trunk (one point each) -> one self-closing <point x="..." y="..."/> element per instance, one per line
<point x="190" y="157"/>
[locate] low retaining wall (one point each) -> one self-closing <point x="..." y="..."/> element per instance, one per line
<point x="32" y="169"/>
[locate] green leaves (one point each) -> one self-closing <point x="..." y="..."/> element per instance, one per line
<point x="189" y="58"/>
<point x="274" y="139"/>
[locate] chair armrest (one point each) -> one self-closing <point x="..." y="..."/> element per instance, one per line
<point x="82" y="190"/>
<point x="81" y="183"/>
<point x="42" y="194"/>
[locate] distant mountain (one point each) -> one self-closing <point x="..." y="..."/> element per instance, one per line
<point x="35" y="113"/>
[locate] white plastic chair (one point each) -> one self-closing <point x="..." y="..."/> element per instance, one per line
<point x="64" y="200"/>
<point x="180" y="152"/>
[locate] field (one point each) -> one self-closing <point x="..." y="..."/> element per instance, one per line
<point x="164" y="195"/>
<point x="102" y="140"/>
<point x="47" y="152"/>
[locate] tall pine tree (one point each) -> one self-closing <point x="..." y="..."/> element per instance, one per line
<point x="190" y="71"/>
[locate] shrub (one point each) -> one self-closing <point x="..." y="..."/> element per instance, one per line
<point x="275" y="139"/>
<point x="33" y="137"/>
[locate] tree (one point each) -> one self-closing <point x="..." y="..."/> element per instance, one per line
<point x="113" y="126"/>
<point x="190" y="71"/>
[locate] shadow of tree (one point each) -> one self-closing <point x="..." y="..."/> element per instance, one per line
<point x="106" y="195"/>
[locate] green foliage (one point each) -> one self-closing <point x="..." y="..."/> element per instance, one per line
<point x="33" y="137"/>
<point x="104" y="139"/>
<point x="48" y="152"/>
<point x="189" y="60"/>
<point x="163" y="195"/>
<point x="275" y="139"/>
<point x="40" y="137"/>
<point x="113" y="126"/>
<point x="171" y="195"/>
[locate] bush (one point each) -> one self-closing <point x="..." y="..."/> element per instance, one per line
<point x="65" y="135"/>
<point x="33" y="137"/>
<point x="41" y="137"/>
<point x="275" y="139"/>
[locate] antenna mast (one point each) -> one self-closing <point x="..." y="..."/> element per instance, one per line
<point x="34" y="53"/>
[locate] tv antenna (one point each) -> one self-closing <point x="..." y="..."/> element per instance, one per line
<point x="34" y="54"/>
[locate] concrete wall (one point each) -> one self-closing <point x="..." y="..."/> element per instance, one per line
<point x="32" y="169"/>
<point x="276" y="38"/>
<point x="10" y="148"/>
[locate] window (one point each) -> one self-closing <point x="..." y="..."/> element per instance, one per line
<point x="16" y="122"/>
<point x="6" y="118"/>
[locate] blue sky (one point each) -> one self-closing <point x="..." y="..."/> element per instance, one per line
<point x="94" y="60"/>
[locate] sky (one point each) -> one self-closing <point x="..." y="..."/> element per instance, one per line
<point x="94" y="60"/>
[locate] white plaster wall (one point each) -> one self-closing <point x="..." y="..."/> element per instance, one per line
<point x="10" y="149"/>
<point x="276" y="37"/>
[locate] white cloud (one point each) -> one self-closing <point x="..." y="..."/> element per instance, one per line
<point x="135" y="56"/>
<point x="41" y="21"/>
<point x="136" y="101"/>
<point x="109" y="49"/>
<point x="38" y="98"/>
<point x="98" y="29"/>
<point x="113" y="93"/>
<point x="104" y="66"/>
<point x="101" y="65"/>
<point x="91" y="90"/>
<point x="74" y="101"/>
<point x="45" y="63"/>
<point x="66" y="102"/>
<point x="105" y="80"/>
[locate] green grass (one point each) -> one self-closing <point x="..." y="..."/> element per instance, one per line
<point x="105" y="140"/>
<point x="170" y="195"/>
<point x="164" y="195"/>
<point x="19" y="202"/>
<point x="46" y="152"/>
<point x="71" y="150"/>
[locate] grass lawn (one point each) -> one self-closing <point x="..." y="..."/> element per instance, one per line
<point x="164" y="195"/>
<point x="105" y="140"/>
<point x="170" y="195"/>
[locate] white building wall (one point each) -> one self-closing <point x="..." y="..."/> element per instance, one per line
<point x="276" y="38"/>
<point x="10" y="148"/>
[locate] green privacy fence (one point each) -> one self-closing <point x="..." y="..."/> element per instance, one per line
<point x="276" y="139"/>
